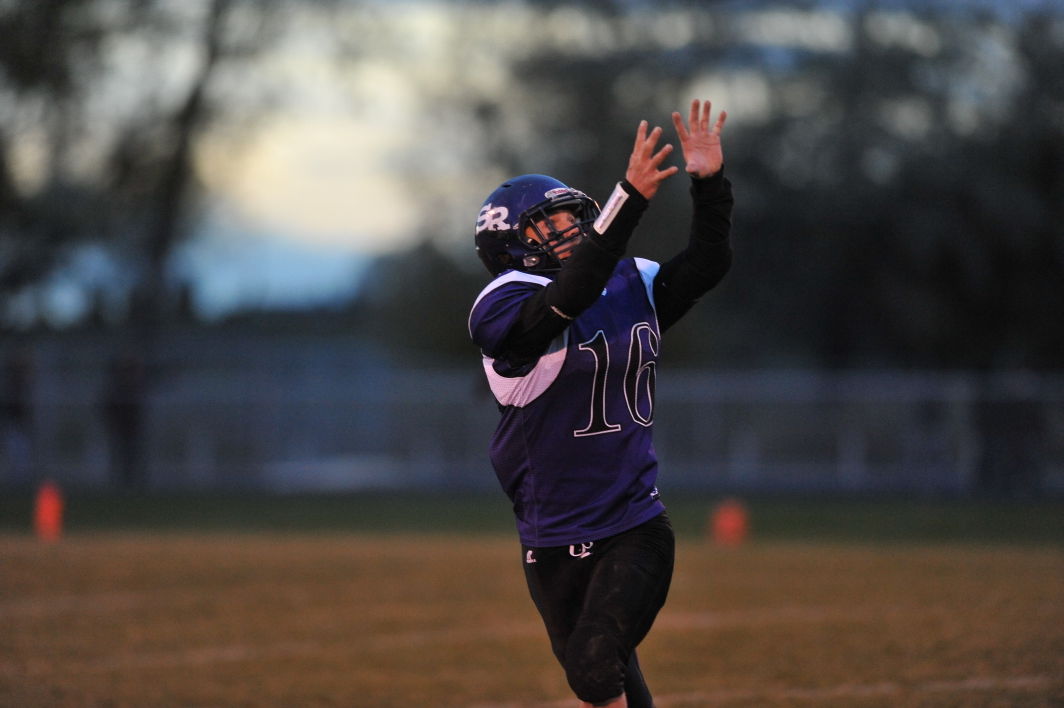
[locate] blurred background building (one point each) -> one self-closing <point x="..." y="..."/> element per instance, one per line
<point x="236" y="253"/>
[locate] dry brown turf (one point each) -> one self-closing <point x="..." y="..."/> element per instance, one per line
<point x="350" y="619"/>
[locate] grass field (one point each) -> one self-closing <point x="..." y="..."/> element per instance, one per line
<point x="385" y="601"/>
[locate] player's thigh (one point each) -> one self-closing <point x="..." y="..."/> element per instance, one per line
<point x="631" y="580"/>
<point x="557" y="582"/>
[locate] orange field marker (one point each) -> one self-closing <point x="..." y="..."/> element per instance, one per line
<point x="729" y="523"/>
<point x="48" y="512"/>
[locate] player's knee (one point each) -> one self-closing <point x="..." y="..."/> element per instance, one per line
<point x="594" y="666"/>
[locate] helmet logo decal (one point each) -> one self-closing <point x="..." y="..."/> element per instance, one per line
<point x="557" y="192"/>
<point x="493" y="218"/>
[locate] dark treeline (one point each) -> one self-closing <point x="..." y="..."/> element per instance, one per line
<point x="899" y="203"/>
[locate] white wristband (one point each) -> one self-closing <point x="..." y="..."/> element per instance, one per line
<point x="613" y="205"/>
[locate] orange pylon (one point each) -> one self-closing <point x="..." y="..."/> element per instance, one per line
<point x="729" y="523"/>
<point x="48" y="512"/>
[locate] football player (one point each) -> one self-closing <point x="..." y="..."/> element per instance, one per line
<point x="569" y="331"/>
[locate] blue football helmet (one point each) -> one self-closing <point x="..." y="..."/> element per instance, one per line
<point x="520" y="203"/>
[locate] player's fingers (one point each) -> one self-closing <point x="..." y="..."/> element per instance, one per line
<point x="703" y="125"/>
<point x="719" y="127"/>
<point x="652" y="140"/>
<point x="640" y="136"/>
<point x="661" y="154"/>
<point x="677" y="122"/>
<point x="693" y="118"/>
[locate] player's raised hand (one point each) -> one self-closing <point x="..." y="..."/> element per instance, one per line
<point x="700" y="143"/>
<point x="644" y="166"/>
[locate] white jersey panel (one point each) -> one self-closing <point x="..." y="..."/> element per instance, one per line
<point x="648" y="270"/>
<point x="519" y="391"/>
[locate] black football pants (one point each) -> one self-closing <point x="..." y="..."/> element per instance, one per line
<point x="598" y="600"/>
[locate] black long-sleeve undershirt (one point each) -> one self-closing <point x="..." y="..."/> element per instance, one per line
<point x="678" y="285"/>
<point x="698" y="268"/>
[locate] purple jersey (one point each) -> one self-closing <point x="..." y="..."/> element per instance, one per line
<point x="574" y="449"/>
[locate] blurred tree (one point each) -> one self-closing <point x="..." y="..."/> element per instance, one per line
<point x="48" y="47"/>
<point x="167" y="197"/>
<point x="103" y="106"/>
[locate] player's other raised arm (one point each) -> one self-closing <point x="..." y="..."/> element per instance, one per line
<point x="708" y="255"/>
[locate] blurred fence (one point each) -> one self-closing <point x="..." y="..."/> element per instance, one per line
<point x="299" y="413"/>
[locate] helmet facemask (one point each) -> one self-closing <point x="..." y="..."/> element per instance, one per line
<point x="553" y="244"/>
